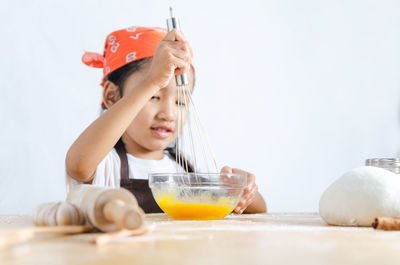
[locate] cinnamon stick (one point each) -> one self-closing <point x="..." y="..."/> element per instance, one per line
<point x="387" y="223"/>
<point x="110" y="236"/>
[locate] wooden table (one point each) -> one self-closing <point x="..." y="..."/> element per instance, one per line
<point x="246" y="239"/>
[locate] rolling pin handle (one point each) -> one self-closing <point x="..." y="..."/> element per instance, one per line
<point x="123" y="215"/>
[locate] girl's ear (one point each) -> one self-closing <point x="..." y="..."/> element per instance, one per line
<point x="110" y="94"/>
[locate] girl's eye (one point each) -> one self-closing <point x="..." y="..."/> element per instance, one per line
<point x="180" y="103"/>
<point x="155" y="98"/>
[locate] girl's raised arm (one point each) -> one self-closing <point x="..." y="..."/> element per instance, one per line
<point x="100" y="137"/>
<point x="172" y="56"/>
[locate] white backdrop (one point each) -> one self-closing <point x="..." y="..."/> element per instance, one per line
<point x="297" y="92"/>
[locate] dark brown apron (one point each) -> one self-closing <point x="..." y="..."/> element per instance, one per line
<point x="140" y="187"/>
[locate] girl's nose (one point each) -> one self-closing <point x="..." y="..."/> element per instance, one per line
<point x="167" y="111"/>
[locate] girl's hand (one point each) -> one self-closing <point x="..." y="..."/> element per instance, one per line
<point x="172" y="57"/>
<point x="250" y="191"/>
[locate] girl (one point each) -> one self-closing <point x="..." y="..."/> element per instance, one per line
<point x="131" y="139"/>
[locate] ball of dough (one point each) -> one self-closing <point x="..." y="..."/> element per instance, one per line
<point x="359" y="196"/>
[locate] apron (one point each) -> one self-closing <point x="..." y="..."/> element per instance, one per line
<point x="138" y="187"/>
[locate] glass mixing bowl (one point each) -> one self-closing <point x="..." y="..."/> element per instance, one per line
<point x="197" y="196"/>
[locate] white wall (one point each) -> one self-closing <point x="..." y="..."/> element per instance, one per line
<point x="297" y="92"/>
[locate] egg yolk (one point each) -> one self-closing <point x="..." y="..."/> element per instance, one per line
<point x="195" y="211"/>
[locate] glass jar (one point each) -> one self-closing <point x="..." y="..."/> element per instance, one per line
<point x="391" y="164"/>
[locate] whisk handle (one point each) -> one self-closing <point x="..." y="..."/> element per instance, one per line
<point x="173" y="23"/>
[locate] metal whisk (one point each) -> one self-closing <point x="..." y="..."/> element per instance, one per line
<point x="192" y="144"/>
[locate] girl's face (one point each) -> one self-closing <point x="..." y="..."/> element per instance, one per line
<point x="155" y="126"/>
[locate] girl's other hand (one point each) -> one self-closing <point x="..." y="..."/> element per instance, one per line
<point x="172" y="57"/>
<point x="250" y="191"/>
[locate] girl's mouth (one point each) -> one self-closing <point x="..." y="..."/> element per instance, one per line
<point x="162" y="131"/>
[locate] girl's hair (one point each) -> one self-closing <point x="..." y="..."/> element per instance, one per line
<point x="118" y="77"/>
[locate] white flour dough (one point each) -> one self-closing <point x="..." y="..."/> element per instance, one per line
<point x="359" y="196"/>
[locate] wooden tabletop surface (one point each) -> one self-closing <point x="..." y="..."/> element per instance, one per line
<point x="298" y="238"/>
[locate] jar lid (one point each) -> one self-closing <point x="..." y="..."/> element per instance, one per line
<point x="372" y="161"/>
<point x="389" y="162"/>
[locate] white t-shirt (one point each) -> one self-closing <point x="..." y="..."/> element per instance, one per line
<point x="108" y="172"/>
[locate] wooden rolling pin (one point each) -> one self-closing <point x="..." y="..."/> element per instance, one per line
<point x="58" y="213"/>
<point x="53" y="218"/>
<point x="107" y="209"/>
